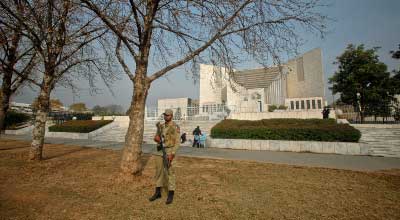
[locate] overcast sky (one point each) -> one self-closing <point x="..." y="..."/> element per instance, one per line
<point x="370" y="22"/>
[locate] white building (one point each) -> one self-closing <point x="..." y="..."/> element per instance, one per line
<point x="21" y="107"/>
<point x="297" y="84"/>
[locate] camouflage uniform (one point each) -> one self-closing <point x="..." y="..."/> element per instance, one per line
<point x="171" y="133"/>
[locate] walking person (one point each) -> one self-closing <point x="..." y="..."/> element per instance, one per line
<point x="196" y="136"/>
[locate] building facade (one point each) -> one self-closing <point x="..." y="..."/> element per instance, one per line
<point x="297" y="84"/>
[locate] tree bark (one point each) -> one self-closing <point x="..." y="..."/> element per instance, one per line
<point x="36" y="149"/>
<point x="5" y="99"/>
<point x="7" y="76"/>
<point x="131" y="159"/>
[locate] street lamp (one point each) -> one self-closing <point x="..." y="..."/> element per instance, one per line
<point x="359" y="105"/>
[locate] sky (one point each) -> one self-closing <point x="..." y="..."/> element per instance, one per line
<point x="374" y="23"/>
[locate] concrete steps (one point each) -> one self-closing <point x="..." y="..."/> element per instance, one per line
<point x="381" y="141"/>
<point x="118" y="132"/>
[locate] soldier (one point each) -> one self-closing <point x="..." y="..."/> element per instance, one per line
<point x="166" y="177"/>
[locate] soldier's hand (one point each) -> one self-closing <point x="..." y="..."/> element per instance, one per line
<point x="170" y="158"/>
<point x="157" y="138"/>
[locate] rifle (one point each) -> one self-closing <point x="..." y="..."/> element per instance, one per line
<point x="161" y="147"/>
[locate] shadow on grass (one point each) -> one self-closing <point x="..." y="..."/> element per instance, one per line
<point x="12" y="148"/>
<point x="67" y="153"/>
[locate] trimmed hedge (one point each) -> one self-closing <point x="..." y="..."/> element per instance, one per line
<point x="286" y="129"/>
<point x="79" y="126"/>
<point x="14" y="118"/>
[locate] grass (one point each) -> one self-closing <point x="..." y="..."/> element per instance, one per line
<point x="83" y="183"/>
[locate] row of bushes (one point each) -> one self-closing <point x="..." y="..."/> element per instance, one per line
<point x="79" y="126"/>
<point x="69" y="116"/>
<point x="272" y="108"/>
<point x="286" y="129"/>
<point x="14" y="118"/>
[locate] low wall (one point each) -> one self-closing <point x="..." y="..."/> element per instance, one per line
<point x="115" y="118"/>
<point x="74" y="135"/>
<point x="69" y="135"/>
<point x="20" y="131"/>
<point x="279" y="114"/>
<point x="346" y="148"/>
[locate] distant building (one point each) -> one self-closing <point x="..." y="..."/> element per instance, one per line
<point x="21" y="107"/>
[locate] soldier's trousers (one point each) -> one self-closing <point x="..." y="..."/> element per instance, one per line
<point x="165" y="178"/>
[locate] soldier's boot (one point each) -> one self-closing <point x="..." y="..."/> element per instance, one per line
<point x="157" y="194"/>
<point x="170" y="197"/>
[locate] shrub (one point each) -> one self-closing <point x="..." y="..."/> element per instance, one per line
<point x="272" y="108"/>
<point x="282" y="107"/>
<point x="79" y="126"/>
<point x="14" y="118"/>
<point x="286" y="129"/>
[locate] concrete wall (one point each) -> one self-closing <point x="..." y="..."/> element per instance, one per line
<point x="174" y="104"/>
<point x="279" y="114"/>
<point x="115" y="118"/>
<point x="313" y="83"/>
<point x="25" y="130"/>
<point x="210" y="84"/>
<point x="291" y="146"/>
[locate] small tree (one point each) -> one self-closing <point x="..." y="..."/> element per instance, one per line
<point x="55" y="104"/>
<point x="17" y="59"/>
<point x="78" y="107"/>
<point x="63" y="36"/>
<point x="361" y="79"/>
<point x="272" y="108"/>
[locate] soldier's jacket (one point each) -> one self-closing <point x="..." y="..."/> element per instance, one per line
<point x="172" y="138"/>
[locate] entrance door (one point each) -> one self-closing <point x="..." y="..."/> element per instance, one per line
<point x="260" y="106"/>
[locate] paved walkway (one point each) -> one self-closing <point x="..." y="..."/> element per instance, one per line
<point x="359" y="163"/>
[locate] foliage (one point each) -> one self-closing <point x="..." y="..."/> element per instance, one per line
<point x="282" y="107"/>
<point x="57" y="116"/>
<point x="286" y="129"/>
<point x="108" y="110"/>
<point x="396" y="54"/>
<point x="13" y="118"/>
<point x="78" y="107"/>
<point x="362" y="80"/>
<point x="55" y="104"/>
<point x="272" y="108"/>
<point x="79" y="126"/>
<point x="396" y="114"/>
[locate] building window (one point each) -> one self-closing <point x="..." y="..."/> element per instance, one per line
<point x="302" y="104"/>
<point x="213" y="108"/>
<point x="297" y="104"/>
<point x="291" y="105"/>
<point x="319" y="104"/>
<point x="313" y="104"/>
<point x="308" y="104"/>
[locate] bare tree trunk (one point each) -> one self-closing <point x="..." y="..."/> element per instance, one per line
<point x="36" y="150"/>
<point x="131" y="163"/>
<point x="5" y="99"/>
